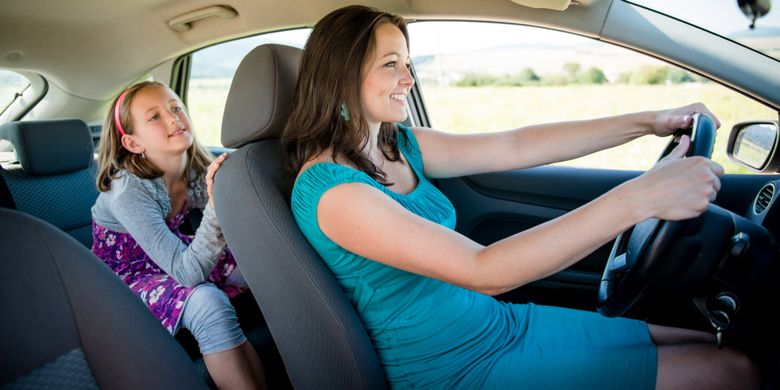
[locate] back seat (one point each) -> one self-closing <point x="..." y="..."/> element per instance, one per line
<point x="54" y="175"/>
<point x="53" y="179"/>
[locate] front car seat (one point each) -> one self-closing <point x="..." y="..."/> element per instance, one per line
<point x="54" y="178"/>
<point x="318" y="333"/>
<point x="70" y="323"/>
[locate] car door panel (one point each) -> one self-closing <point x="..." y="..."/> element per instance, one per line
<point x="493" y="206"/>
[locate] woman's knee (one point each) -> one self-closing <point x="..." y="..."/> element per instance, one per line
<point x="739" y="363"/>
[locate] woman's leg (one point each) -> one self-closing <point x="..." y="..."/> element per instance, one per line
<point x="689" y="359"/>
<point x="667" y="335"/>
<point x="231" y="361"/>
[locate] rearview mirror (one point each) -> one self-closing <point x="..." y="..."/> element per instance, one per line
<point x="754" y="9"/>
<point x="753" y="145"/>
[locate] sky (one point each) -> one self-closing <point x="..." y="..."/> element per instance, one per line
<point x="431" y="38"/>
<point x="720" y="16"/>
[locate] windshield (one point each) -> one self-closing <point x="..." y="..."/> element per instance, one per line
<point x="723" y="17"/>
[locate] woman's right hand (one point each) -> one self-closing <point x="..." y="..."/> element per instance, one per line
<point x="677" y="188"/>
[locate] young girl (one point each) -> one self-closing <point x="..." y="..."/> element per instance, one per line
<point x="364" y="201"/>
<point x="152" y="172"/>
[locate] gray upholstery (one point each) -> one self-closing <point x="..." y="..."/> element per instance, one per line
<point x="318" y="333"/>
<point x="69" y="371"/>
<point x="56" y="178"/>
<point x="50" y="147"/>
<point x="57" y="297"/>
<point x="260" y="94"/>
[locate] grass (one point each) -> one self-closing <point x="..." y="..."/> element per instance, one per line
<point x="499" y="108"/>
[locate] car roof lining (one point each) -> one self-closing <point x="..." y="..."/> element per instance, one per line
<point x="63" y="32"/>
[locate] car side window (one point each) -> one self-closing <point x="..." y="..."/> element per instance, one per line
<point x="212" y="72"/>
<point x="12" y="85"/>
<point x="477" y="76"/>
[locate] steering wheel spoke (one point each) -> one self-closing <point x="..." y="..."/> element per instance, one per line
<point x="637" y="255"/>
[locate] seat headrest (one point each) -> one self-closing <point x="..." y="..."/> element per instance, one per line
<point x="260" y="95"/>
<point x="50" y="147"/>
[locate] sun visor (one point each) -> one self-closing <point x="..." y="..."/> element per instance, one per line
<point x="558" y="5"/>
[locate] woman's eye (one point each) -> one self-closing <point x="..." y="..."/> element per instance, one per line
<point x="176" y="109"/>
<point x="154" y="117"/>
<point x="390" y="64"/>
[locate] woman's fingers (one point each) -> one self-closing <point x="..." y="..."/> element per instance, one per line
<point x="679" y="151"/>
<point x="682" y="188"/>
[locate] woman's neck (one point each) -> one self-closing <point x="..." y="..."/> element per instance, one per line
<point x="372" y="146"/>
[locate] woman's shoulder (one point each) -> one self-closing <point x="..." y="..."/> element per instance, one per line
<point x="327" y="173"/>
<point x="318" y="176"/>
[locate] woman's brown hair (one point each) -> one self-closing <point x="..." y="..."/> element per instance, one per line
<point x="113" y="157"/>
<point x="329" y="84"/>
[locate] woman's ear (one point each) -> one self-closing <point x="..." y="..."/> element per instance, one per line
<point x="130" y="144"/>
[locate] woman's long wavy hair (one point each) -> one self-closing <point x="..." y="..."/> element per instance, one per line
<point x="330" y="80"/>
<point x="113" y="157"/>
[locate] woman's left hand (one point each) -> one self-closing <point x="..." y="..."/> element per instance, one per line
<point x="210" y="172"/>
<point x="668" y="121"/>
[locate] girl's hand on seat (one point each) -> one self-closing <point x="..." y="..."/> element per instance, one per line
<point x="668" y="121"/>
<point x="210" y="172"/>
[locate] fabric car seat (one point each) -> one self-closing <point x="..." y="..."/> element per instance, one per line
<point x="54" y="177"/>
<point x="70" y="323"/>
<point x="322" y="341"/>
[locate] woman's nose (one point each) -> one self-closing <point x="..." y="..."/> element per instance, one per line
<point x="406" y="77"/>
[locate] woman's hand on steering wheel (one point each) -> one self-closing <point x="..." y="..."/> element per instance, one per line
<point x="676" y="188"/>
<point x="666" y="122"/>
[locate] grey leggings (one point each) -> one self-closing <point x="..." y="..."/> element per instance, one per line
<point x="211" y="318"/>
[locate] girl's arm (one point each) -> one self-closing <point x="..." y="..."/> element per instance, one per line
<point x="143" y="218"/>
<point x="365" y="221"/>
<point x="451" y="155"/>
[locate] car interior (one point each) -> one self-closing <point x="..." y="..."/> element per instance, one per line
<point x="70" y="336"/>
<point x="65" y="309"/>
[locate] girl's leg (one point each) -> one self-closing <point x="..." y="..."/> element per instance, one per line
<point x="689" y="359"/>
<point x="231" y="361"/>
<point x="236" y="278"/>
<point x="237" y="368"/>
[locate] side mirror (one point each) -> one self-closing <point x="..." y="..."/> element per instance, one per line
<point x="754" y="146"/>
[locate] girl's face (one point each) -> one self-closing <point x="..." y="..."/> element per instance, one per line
<point x="387" y="78"/>
<point x="161" y="125"/>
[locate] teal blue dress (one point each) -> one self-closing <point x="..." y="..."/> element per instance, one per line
<point x="432" y="334"/>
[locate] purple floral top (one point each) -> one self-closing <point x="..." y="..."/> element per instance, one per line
<point x="164" y="296"/>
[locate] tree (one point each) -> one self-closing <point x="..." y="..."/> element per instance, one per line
<point x="572" y="69"/>
<point x="592" y="75"/>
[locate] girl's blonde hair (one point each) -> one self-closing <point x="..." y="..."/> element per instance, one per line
<point x="113" y="157"/>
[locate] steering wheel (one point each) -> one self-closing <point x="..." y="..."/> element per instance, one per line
<point x="637" y="255"/>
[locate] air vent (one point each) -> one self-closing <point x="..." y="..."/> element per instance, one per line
<point x="763" y="199"/>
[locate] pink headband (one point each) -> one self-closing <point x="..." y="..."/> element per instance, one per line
<point x="117" y="122"/>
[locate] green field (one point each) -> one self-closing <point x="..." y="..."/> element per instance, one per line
<point x="499" y="108"/>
